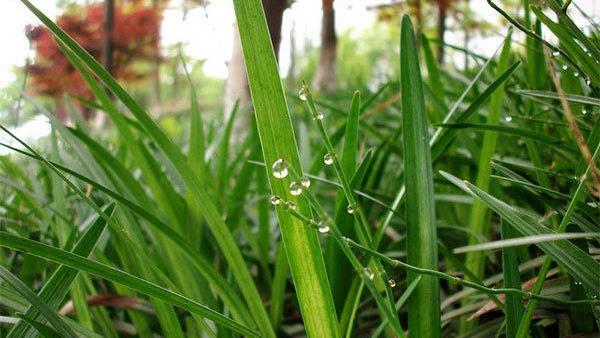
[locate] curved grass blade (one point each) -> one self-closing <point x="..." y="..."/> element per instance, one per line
<point x="576" y="262"/>
<point x="424" y="305"/>
<point x="552" y="95"/>
<point x="58" y="285"/>
<point x="278" y="142"/>
<point x="117" y="276"/>
<point x="51" y="316"/>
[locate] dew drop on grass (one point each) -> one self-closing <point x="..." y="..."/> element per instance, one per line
<point x="584" y="112"/>
<point x="564" y="67"/>
<point x="275" y="200"/>
<point x="576" y="74"/>
<point x="508" y="118"/>
<point x="392" y="282"/>
<point x="350" y="209"/>
<point x="555" y="53"/>
<point x="305" y="182"/>
<point x="295" y="188"/>
<point x="323" y="228"/>
<point x="328" y="159"/>
<point x="370" y="275"/>
<point x="319" y="116"/>
<point x="588" y="82"/>
<point x="280" y="169"/>
<point x="291" y="205"/>
<point x="302" y="95"/>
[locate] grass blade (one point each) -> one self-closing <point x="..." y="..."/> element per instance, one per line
<point x="277" y="141"/>
<point x="57" y="286"/>
<point x="51" y="316"/>
<point x="579" y="264"/>
<point x="424" y="304"/>
<point x="510" y="266"/>
<point x="121" y="277"/>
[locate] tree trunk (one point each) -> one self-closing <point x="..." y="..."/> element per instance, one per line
<point x="107" y="48"/>
<point x="236" y="86"/>
<point x="326" y="70"/>
<point x="442" y="12"/>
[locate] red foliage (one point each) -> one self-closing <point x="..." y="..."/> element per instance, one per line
<point x="135" y="37"/>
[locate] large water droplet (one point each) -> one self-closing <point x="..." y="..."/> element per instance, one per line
<point x="295" y="188"/>
<point x="328" y="159"/>
<point x="319" y="116"/>
<point x="280" y="169"/>
<point x="392" y="282"/>
<point x="275" y="200"/>
<point x="508" y="118"/>
<point x="305" y="182"/>
<point x="291" y="205"/>
<point x="370" y="275"/>
<point x="302" y="95"/>
<point x="350" y="209"/>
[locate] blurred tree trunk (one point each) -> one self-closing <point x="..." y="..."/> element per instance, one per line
<point x="442" y="13"/>
<point x="236" y="86"/>
<point x="107" y="48"/>
<point x="99" y="120"/>
<point x="326" y="70"/>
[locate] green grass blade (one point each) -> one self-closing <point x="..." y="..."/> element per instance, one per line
<point x="44" y="330"/>
<point x="478" y="222"/>
<point x="552" y="95"/>
<point x="510" y="267"/>
<point x="435" y="80"/>
<point x="576" y="262"/>
<point x="135" y="283"/>
<point x="51" y="316"/>
<point x="57" y="286"/>
<point x="277" y="140"/>
<point x="424" y="305"/>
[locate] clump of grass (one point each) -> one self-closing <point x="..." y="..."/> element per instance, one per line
<point x="195" y="234"/>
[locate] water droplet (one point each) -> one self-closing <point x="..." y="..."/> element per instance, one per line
<point x="555" y="53"/>
<point x="280" y="169"/>
<point x="508" y="118"/>
<point x="302" y="95"/>
<point x="319" y="116"/>
<point x="275" y="200"/>
<point x="291" y="205"/>
<point x="295" y="188"/>
<point x="564" y="67"/>
<point x="328" y="159"/>
<point x="584" y="112"/>
<point x="323" y="228"/>
<point x="576" y="74"/>
<point x="350" y="209"/>
<point x="305" y="182"/>
<point x="588" y="82"/>
<point x="368" y="273"/>
<point x="392" y="282"/>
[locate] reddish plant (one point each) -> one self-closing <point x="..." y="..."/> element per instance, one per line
<point x="134" y="37"/>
